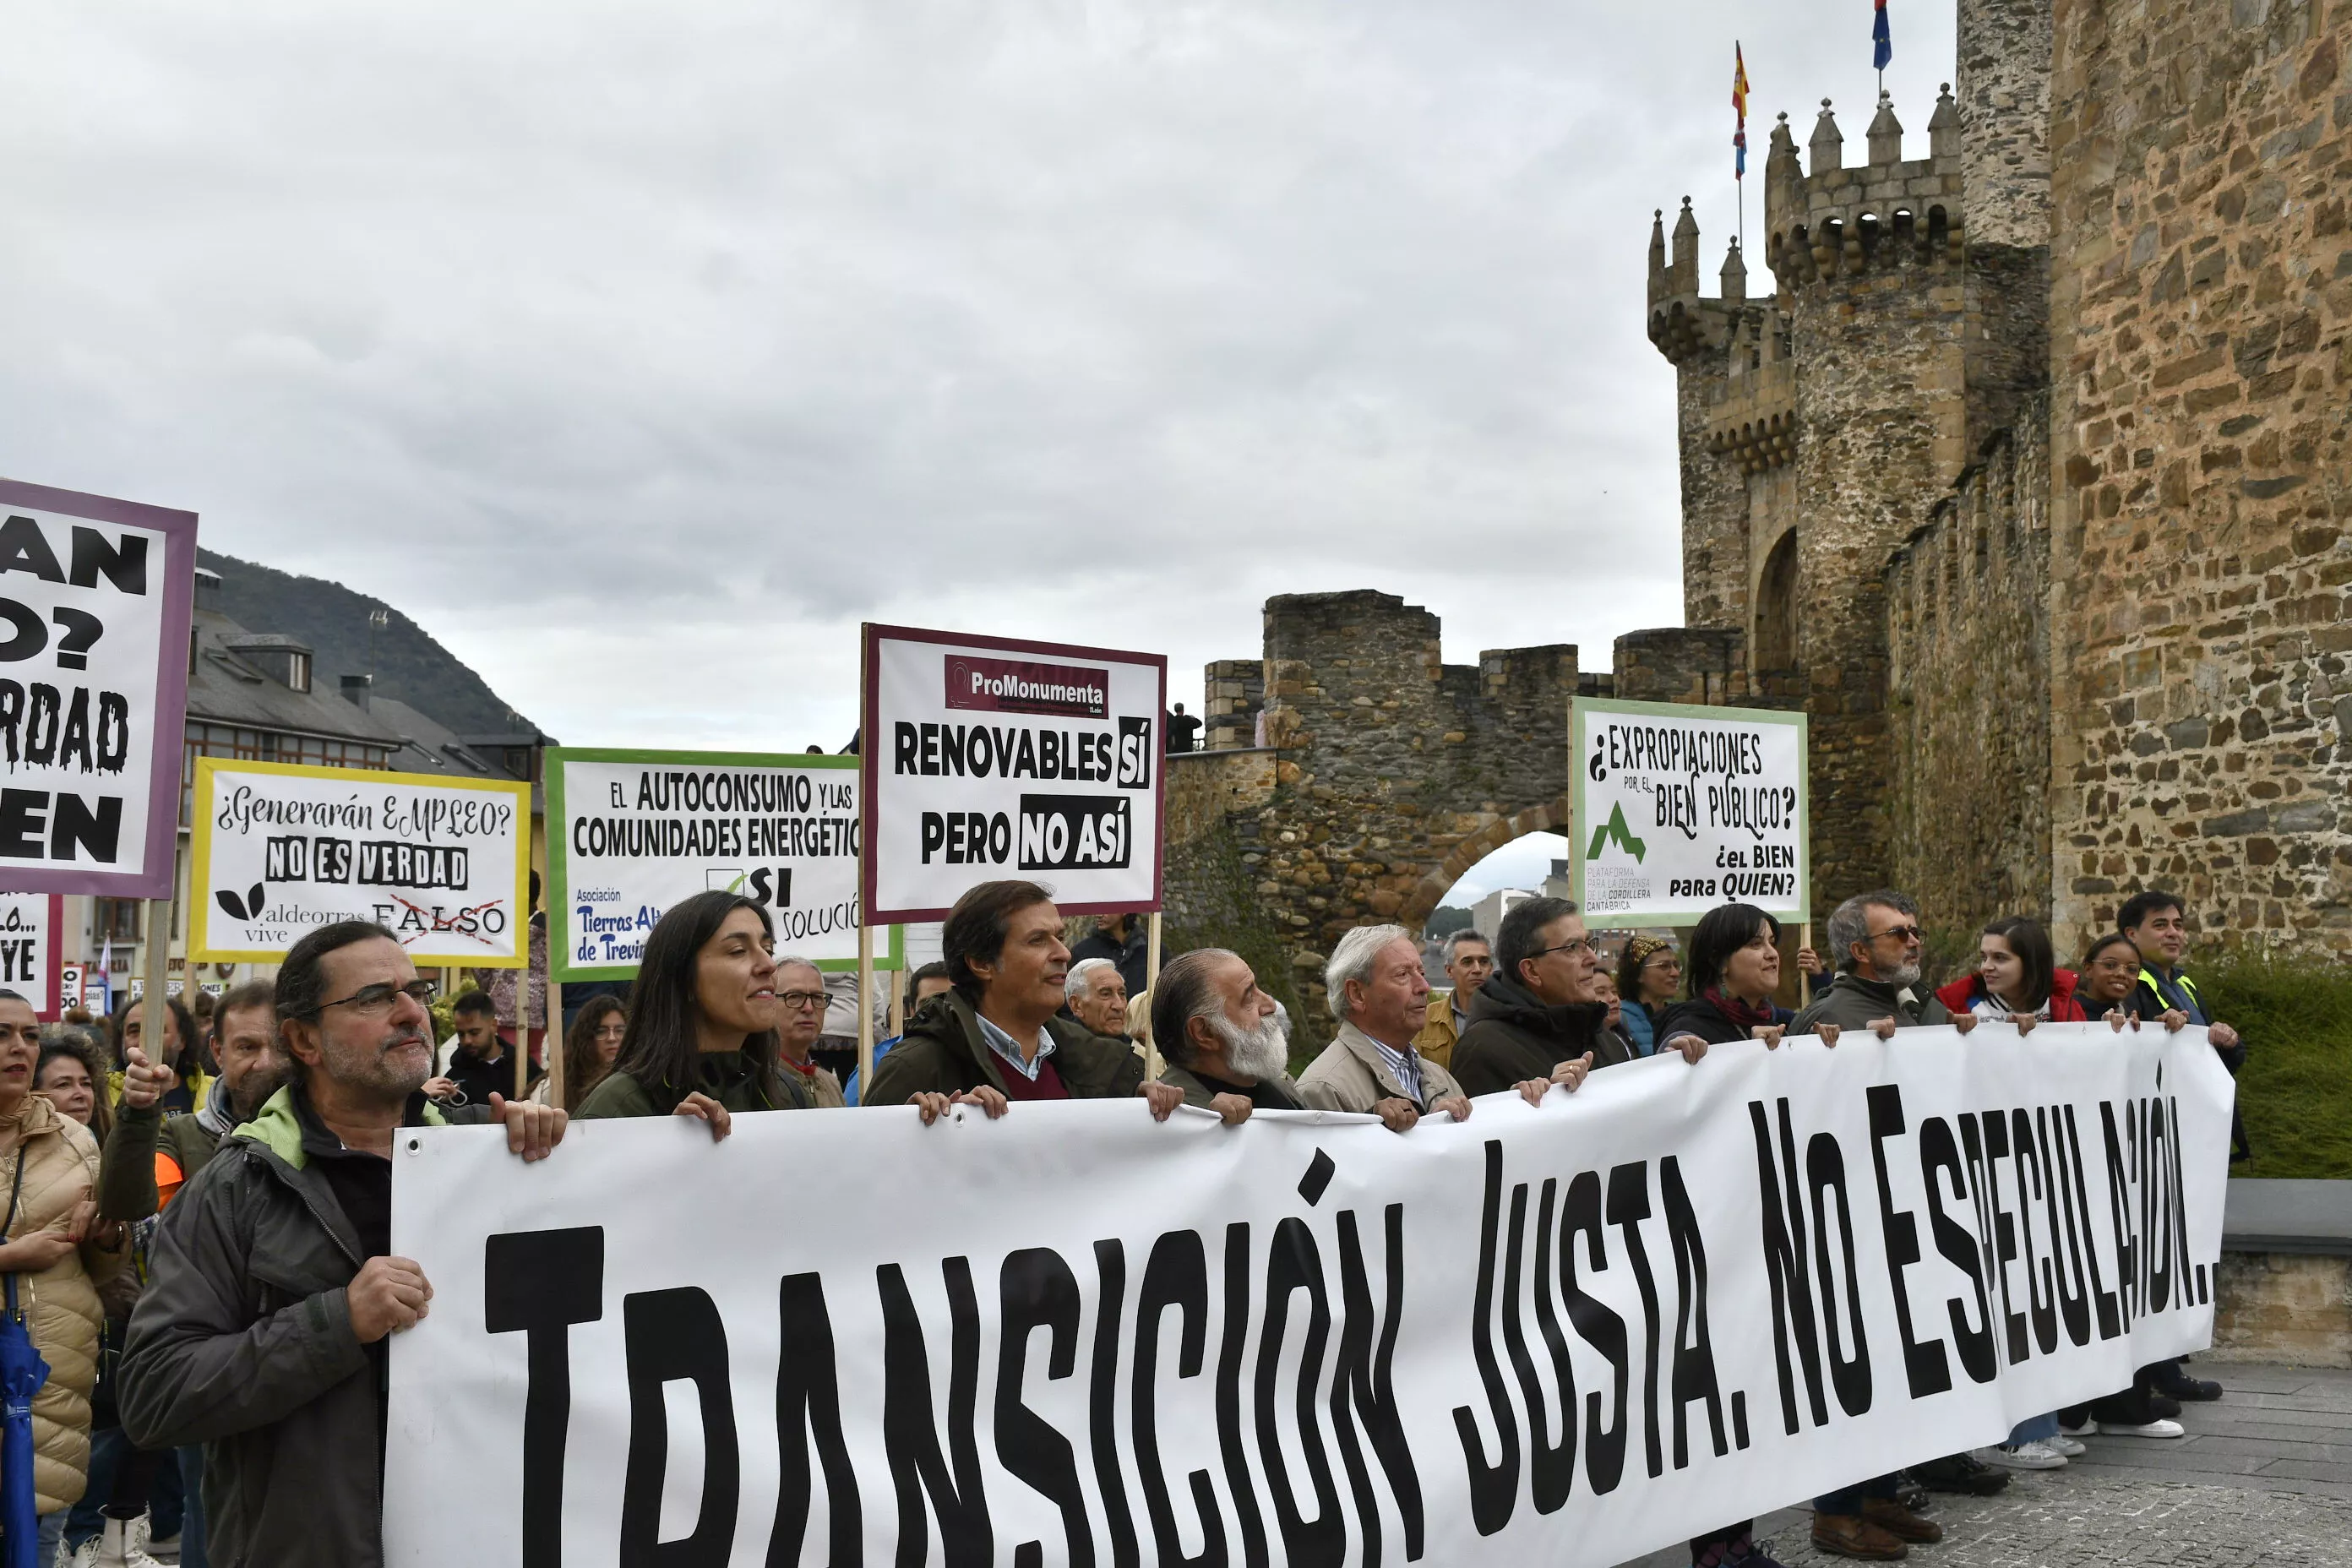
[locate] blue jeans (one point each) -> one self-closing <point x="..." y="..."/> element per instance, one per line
<point x="110" y="1450"/>
<point x="192" y="1524"/>
<point x="2035" y="1429"/>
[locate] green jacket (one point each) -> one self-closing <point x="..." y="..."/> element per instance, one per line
<point x="1853" y="1002"/>
<point x="243" y="1342"/>
<point x="728" y="1078"/>
<point x="1200" y="1094"/>
<point x="944" y="1053"/>
<point x="127" y="1188"/>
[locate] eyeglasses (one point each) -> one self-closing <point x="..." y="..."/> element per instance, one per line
<point x="801" y="999"/>
<point x="379" y="998"/>
<point x="1589" y="944"/>
<point x="1906" y="934"/>
<point x="1663" y="961"/>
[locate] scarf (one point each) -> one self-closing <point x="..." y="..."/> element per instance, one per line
<point x="1739" y="1012"/>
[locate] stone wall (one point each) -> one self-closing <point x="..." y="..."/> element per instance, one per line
<point x="1394" y="772"/>
<point x="2285" y="1308"/>
<point x="1217" y="813"/>
<point x="2202" y="344"/>
<point x="1968" y="670"/>
<point x="1234" y="690"/>
<point x="1706" y="665"/>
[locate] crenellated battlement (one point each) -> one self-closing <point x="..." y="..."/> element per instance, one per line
<point x="1830" y="220"/>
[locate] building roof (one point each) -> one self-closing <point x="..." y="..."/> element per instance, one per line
<point x="224" y="689"/>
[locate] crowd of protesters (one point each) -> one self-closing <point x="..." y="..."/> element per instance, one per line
<point x="202" y="1222"/>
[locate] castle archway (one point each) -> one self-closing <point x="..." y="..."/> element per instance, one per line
<point x="1497" y="830"/>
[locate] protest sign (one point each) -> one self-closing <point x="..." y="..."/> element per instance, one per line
<point x="1570" y="1333"/>
<point x="94" y="606"/>
<point x="637" y="831"/>
<point x="1680" y="808"/>
<point x="31" y="955"/>
<point x="988" y="757"/>
<point x="280" y="851"/>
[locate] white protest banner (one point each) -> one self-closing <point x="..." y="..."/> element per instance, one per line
<point x="1569" y="1334"/>
<point x="94" y="607"/>
<point x="637" y="831"/>
<point x="30" y="956"/>
<point x="987" y="758"/>
<point x="281" y="849"/>
<point x="1680" y="808"/>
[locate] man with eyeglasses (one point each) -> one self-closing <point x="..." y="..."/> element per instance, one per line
<point x="800" y="998"/>
<point x="1874" y="940"/>
<point x="272" y="1291"/>
<point x="1542" y="1016"/>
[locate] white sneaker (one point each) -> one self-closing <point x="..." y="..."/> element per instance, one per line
<point x="2024" y="1457"/>
<point x="2089" y="1429"/>
<point x="2164" y="1428"/>
<point x="166" y="1551"/>
<point x="2063" y="1445"/>
<point x="118" y="1547"/>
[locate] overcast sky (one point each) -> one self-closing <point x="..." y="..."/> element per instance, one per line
<point x="640" y="351"/>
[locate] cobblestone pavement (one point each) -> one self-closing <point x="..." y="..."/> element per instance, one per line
<point x="2263" y="1476"/>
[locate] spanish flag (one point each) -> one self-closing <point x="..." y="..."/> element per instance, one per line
<point x="1739" y="107"/>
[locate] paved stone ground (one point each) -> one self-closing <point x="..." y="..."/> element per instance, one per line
<point x="2264" y="1476"/>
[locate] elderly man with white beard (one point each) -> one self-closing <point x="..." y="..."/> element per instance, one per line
<point x="1227" y="1043"/>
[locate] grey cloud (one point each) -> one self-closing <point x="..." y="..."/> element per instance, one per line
<point x="640" y="351"/>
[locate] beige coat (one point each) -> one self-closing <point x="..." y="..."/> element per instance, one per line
<point x="60" y="1302"/>
<point x="1350" y="1075"/>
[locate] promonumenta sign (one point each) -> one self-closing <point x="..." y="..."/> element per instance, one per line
<point x="1566" y="1334"/>
<point x="637" y="831"/>
<point x="94" y="607"/>
<point x="281" y="849"/>
<point x="1680" y="808"/>
<point x="988" y="757"/>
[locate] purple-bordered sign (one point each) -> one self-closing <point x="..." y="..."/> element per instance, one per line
<point x="94" y="610"/>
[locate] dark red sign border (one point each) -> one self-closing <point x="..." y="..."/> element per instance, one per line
<point x="177" y="589"/>
<point x="871" y="748"/>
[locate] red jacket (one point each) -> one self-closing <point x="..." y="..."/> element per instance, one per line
<point x="1960" y="996"/>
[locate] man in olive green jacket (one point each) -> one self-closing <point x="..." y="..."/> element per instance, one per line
<point x="994" y="1039"/>
<point x="1874" y="939"/>
<point x="150" y="1155"/>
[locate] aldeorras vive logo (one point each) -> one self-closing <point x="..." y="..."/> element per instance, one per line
<point x="1014" y="686"/>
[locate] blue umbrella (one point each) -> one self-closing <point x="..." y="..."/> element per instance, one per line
<point x="21" y="1373"/>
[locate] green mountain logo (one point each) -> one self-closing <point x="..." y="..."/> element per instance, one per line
<point x="1615" y="831"/>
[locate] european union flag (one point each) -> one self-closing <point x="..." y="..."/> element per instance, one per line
<point x="1882" y="44"/>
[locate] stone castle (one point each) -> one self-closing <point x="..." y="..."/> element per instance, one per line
<point x="2026" y="472"/>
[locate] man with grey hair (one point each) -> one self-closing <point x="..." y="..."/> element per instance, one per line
<point x="1096" y="994"/>
<point x="1227" y="1042"/>
<point x="1469" y="961"/>
<point x="1380" y="997"/>
<point x="1874" y="940"/>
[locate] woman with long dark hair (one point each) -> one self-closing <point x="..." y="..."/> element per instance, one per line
<point x="2016" y="978"/>
<point x="701" y="1038"/>
<point x="591" y="1046"/>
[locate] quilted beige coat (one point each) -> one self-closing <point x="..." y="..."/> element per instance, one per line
<point x="60" y="1302"/>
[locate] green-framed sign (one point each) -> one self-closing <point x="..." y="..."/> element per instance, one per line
<point x="1679" y="808"/>
<point x="631" y="833"/>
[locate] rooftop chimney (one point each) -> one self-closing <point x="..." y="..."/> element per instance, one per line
<point x="355" y="690"/>
<point x="208" y="589"/>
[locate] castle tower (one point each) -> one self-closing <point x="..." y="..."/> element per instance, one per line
<point x="1818" y="424"/>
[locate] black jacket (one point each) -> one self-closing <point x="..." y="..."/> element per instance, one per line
<point x="1513" y="1036"/>
<point x="944" y="1053"/>
<point x="1697" y="1016"/>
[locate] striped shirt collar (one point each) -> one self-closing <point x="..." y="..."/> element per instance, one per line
<point x="1008" y="1049"/>
<point x="1404" y="1065"/>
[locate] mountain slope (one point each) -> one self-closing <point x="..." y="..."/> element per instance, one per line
<point x="409" y="664"/>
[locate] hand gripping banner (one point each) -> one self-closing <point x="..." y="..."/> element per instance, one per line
<point x="1570" y="1333"/>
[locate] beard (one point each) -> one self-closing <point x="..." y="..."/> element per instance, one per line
<point x="1905" y="974"/>
<point x="1259" y="1052"/>
<point x="370" y="1065"/>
